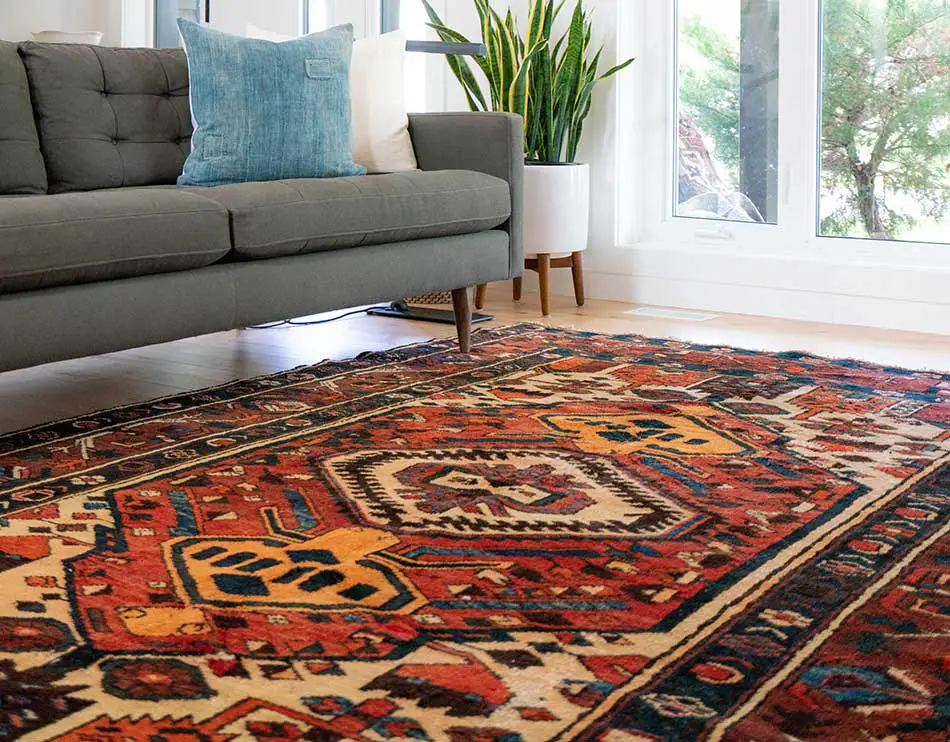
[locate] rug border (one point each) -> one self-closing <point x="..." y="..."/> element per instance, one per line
<point x="318" y="365"/>
<point x="489" y="334"/>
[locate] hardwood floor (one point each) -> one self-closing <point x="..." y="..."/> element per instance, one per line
<point x="33" y="396"/>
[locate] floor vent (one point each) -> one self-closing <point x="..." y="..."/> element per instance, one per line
<point x="683" y="315"/>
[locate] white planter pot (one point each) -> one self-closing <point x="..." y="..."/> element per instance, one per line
<point x="69" y="37"/>
<point x="557" y="208"/>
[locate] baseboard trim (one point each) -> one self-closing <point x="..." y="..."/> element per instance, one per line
<point x="911" y="298"/>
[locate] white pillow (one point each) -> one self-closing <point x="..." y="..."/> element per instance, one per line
<point x="381" y="138"/>
<point x="381" y="141"/>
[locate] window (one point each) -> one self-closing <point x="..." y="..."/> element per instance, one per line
<point x="413" y="21"/>
<point x="167" y="13"/>
<point x="410" y="17"/>
<point x="821" y="125"/>
<point x="727" y="150"/>
<point x="390" y="15"/>
<point x="316" y="16"/>
<point x="407" y="15"/>
<point x="885" y="120"/>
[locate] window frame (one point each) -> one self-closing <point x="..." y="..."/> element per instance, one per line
<point x="202" y="15"/>
<point x="389" y="15"/>
<point x="654" y="104"/>
<point x="368" y="17"/>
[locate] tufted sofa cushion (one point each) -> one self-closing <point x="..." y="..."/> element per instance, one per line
<point x="109" y="118"/>
<point x="21" y="164"/>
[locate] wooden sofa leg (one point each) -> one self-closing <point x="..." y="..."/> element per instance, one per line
<point x="577" y="268"/>
<point x="463" y="318"/>
<point x="516" y="291"/>
<point x="544" y="278"/>
<point x="480" y="295"/>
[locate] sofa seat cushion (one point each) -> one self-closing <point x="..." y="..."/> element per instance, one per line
<point x="291" y="217"/>
<point x="48" y="241"/>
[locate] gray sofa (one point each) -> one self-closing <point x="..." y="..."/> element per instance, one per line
<point x="100" y="251"/>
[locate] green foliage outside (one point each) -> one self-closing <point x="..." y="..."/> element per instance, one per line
<point x="885" y="111"/>
<point x="711" y="95"/>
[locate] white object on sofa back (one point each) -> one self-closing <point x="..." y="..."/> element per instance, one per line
<point x="69" y="37"/>
<point x="381" y="141"/>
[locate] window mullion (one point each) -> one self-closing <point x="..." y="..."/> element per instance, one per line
<point x="798" y="122"/>
<point x="758" y="129"/>
<point x="362" y="15"/>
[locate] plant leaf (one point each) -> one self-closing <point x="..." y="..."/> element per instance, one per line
<point x="492" y="43"/>
<point x="617" y="68"/>
<point x="550" y="84"/>
<point x="568" y="78"/>
<point x="518" y="94"/>
<point x="457" y="64"/>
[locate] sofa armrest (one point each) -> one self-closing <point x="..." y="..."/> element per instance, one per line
<point x="491" y="143"/>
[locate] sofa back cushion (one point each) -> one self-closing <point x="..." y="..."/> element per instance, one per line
<point x="109" y="118"/>
<point x="21" y="163"/>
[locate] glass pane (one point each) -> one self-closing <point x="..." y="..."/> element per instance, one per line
<point x="390" y="15"/>
<point x="727" y="153"/>
<point x="885" y="161"/>
<point x="413" y="21"/>
<point x="167" y="12"/>
<point x="318" y="16"/>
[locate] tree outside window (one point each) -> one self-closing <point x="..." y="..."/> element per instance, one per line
<point x="885" y="111"/>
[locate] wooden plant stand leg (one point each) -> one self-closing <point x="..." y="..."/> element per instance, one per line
<point x="516" y="289"/>
<point x="480" y="295"/>
<point x="577" y="270"/>
<point x="544" y="277"/>
<point x="463" y="318"/>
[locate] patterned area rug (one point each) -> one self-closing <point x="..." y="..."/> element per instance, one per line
<point x="562" y="536"/>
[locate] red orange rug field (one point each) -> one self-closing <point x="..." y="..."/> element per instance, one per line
<point x="561" y="536"/>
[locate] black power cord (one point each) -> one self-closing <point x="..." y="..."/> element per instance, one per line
<point x="311" y="323"/>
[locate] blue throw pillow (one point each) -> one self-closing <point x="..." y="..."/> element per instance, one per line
<point x="266" y="111"/>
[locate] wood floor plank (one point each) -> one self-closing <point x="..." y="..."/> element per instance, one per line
<point x="30" y="397"/>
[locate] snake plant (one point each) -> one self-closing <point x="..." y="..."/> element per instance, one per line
<point x="551" y="86"/>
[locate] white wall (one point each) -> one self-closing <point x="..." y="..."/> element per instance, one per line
<point x="20" y="18"/>
<point x="129" y="22"/>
